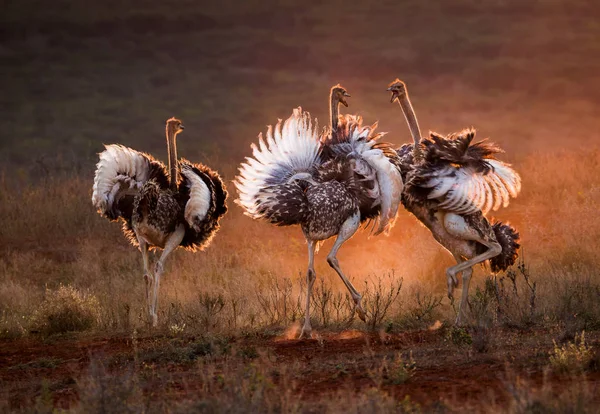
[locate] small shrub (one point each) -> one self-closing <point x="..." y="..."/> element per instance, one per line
<point x="277" y="302"/>
<point x="400" y="371"/>
<point x="211" y="306"/>
<point x="421" y="310"/>
<point x="378" y="298"/>
<point x="11" y="326"/>
<point x="574" y="356"/>
<point x="66" y="310"/>
<point x="515" y="296"/>
<point x="459" y="336"/>
<point x="395" y="371"/>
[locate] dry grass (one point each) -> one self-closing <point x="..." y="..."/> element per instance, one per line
<point x="253" y="274"/>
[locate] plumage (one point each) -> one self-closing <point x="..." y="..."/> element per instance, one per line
<point x="269" y="178"/>
<point x="462" y="177"/>
<point x="450" y="184"/>
<point x="375" y="164"/>
<point x="160" y="208"/>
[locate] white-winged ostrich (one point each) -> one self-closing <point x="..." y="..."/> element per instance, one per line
<point x="160" y="208"/>
<point x="286" y="182"/>
<point x="450" y="184"/>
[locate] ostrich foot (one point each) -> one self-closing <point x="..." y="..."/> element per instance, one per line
<point x="361" y="312"/>
<point x="306" y="332"/>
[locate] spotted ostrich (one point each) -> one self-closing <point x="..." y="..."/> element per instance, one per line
<point x="287" y="183"/>
<point x="450" y="185"/>
<point x="160" y="208"/>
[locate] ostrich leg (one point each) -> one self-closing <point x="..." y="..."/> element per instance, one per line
<point x="148" y="276"/>
<point x="173" y="241"/>
<point x="346" y="231"/>
<point x="456" y="225"/>
<point x="310" y="281"/>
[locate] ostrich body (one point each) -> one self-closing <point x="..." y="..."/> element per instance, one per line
<point x="161" y="208"/>
<point x="287" y="182"/>
<point x="450" y="185"/>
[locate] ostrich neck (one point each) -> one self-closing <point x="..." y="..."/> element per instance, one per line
<point x="172" y="150"/>
<point x="413" y="125"/>
<point x="334" y="112"/>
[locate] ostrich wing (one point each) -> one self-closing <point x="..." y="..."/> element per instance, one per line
<point x="120" y="174"/>
<point x="266" y="181"/>
<point x="464" y="177"/>
<point x="203" y="197"/>
<point x="466" y="190"/>
<point x="195" y="190"/>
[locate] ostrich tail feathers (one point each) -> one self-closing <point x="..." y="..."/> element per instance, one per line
<point x="508" y="237"/>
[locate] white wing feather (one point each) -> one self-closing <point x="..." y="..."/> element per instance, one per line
<point x="199" y="202"/>
<point x="289" y="149"/>
<point x="465" y="191"/>
<point x="118" y="167"/>
<point x="389" y="179"/>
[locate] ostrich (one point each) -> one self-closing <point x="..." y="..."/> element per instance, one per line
<point x="450" y="185"/>
<point x="160" y="208"/>
<point x="287" y="183"/>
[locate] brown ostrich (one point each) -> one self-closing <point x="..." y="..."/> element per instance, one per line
<point x="450" y="184"/>
<point x="161" y="208"/>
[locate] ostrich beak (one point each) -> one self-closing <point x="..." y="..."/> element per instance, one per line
<point x="181" y="127"/>
<point x="394" y="94"/>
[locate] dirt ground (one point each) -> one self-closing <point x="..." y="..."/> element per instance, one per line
<point x="446" y="373"/>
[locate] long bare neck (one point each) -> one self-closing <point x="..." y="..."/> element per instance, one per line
<point x="334" y="112"/>
<point x="413" y="125"/>
<point x="172" y="149"/>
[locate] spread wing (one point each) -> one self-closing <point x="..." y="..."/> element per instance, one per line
<point x="464" y="178"/>
<point x="120" y="174"/>
<point x="266" y="181"/>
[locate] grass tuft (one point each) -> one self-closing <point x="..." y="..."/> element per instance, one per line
<point x="66" y="309"/>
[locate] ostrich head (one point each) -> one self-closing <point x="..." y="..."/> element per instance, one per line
<point x="339" y="94"/>
<point x="398" y="90"/>
<point x="174" y="126"/>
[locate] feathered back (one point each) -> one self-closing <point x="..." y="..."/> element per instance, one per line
<point x="204" y="197"/>
<point x="461" y="177"/>
<point x="269" y="183"/>
<point x="120" y="174"/>
<point x="378" y="183"/>
<point x="456" y="148"/>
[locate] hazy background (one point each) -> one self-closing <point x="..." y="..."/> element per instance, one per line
<point x="77" y="74"/>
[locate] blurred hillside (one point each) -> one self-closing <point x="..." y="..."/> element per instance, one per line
<point x="78" y="74"/>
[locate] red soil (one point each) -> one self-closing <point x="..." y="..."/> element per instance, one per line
<point x="336" y="362"/>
